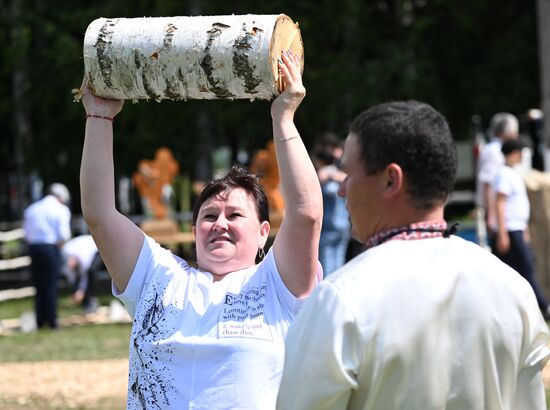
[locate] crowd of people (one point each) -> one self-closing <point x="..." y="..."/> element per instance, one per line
<point x="417" y="318"/>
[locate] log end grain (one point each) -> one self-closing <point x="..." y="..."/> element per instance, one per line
<point x="286" y="36"/>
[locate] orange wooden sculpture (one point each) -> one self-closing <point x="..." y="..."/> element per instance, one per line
<point x="264" y="164"/>
<point x="151" y="180"/>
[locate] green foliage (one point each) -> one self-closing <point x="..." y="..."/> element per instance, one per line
<point x="468" y="57"/>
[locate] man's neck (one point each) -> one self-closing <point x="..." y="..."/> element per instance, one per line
<point x="411" y="216"/>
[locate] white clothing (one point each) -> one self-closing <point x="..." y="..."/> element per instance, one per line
<point x="424" y="324"/>
<point x="516" y="208"/>
<point x="199" y="344"/>
<point x="47" y="221"/>
<point x="490" y="161"/>
<point x="84" y="249"/>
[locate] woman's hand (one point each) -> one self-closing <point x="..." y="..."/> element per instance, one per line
<point x="99" y="106"/>
<point x="286" y="104"/>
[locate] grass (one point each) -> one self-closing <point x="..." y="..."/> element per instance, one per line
<point x="70" y="343"/>
<point x="84" y="342"/>
<point x="87" y="342"/>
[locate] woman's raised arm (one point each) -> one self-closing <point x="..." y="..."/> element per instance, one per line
<point x="297" y="242"/>
<point x="118" y="239"/>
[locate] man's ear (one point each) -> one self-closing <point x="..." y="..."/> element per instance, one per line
<point x="393" y="175"/>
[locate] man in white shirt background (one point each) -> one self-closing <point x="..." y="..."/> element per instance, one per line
<point x="504" y="126"/>
<point x="82" y="260"/>
<point x="47" y="227"/>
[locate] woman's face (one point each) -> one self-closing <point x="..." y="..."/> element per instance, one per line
<point x="228" y="233"/>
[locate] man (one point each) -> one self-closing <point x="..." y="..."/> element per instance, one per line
<point x="82" y="260"/>
<point x="47" y="227"/>
<point x="512" y="211"/>
<point x="504" y="127"/>
<point x="422" y="319"/>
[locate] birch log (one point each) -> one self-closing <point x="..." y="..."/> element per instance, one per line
<point x="180" y="58"/>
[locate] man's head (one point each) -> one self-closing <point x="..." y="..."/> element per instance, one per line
<point x="504" y="126"/>
<point x="511" y="149"/>
<point x="329" y="150"/>
<point x="61" y="192"/>
<point x="401" y="163"/>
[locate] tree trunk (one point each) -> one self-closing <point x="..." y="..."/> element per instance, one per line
<point x="180" y="58"/>
<point x="21" y="109"/>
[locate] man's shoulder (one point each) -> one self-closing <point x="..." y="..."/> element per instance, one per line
<point x="491" y="151"/>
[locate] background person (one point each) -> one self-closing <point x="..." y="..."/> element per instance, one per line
<point x="47" y="225"/>
<point x="422" y="319"/>
<point x="504" y="126"/>
<point x="513" y="211"/>
<point x="82" y="260"/>
<point x="335" y="230"/>
<point x="210" y="337"/>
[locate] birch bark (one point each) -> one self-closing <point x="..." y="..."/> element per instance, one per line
<point x="180" y="58"/>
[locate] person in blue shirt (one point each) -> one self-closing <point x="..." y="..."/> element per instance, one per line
<point x="335" y="231"/>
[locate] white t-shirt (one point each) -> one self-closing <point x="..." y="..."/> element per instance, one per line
<point x="516" y="209"/>
<point x="83" y="248"/>
<point x="490" y="160"/>
<point x="199" y="344"/>
<point x="424" y="324"/>
<point x="47" y="221"/>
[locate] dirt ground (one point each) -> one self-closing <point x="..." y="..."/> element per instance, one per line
<point x="64" y="385"/>
<point x="75" y="385"/>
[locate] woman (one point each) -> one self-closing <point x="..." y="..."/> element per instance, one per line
<point x="211" y="337"/>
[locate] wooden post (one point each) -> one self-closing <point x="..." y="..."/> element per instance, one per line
<point x="180" y="58"/>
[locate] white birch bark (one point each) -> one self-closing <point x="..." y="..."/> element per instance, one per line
<point x="180" y="58"/>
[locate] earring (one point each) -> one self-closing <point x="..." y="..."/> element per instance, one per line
<point x="261" y="253"/>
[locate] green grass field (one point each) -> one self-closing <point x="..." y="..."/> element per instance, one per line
<point x="84" y="342"/>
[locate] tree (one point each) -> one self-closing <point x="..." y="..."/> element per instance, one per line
<point x="465" y="58"/>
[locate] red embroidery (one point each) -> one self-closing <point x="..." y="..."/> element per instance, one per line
<point x="418" y="230"/>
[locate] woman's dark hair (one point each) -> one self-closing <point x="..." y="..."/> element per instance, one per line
<point x="237" y="177"/>
<point x="414" y="136"/>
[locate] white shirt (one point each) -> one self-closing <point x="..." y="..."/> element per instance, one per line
<point x="425" y="324"/>
<point x="83" y="248"/>
<point x="490" y="160"/>
<point x="199" y="344"/>
<point x="47" y="221"/>
<point x="516" y="208"/>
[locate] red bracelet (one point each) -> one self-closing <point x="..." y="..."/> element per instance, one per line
<point x="100" y="116"/>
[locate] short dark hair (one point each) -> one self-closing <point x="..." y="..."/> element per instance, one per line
<point x="510" y="146"/>
<point x="414" y="136"/>
<point x="237" y="177"/>
<point x="324" y="151"/>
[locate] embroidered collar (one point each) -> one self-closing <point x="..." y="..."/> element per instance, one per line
<point x="418" y="230"/>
